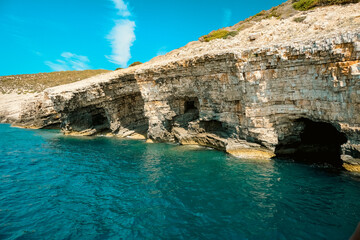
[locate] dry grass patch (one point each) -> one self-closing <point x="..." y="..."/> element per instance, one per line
<point x="31" y="83"/>
<point x="135" y="64"/>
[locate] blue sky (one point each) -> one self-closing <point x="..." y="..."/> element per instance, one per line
<point x="54" y="35"/>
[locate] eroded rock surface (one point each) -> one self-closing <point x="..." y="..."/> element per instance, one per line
<point x="252" y="99"/>
<point x="256" y="96"/>
<point x="109" y="104"/>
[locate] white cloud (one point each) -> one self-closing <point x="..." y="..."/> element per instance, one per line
<point x="161" y="51"/>
<point x="122" y="7"/>
<point x="67" y="54"/>
<point x="226" y="17"/>
<point x="70" y="61"/>
<point x="122" y="35"/>
<point x="56" y="66"/>
<point x="121" y="38"/>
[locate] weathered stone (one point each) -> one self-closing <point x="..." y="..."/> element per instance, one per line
<point x="250" y="99"/>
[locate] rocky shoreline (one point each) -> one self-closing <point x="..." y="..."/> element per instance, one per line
<point x="298" y="98"/>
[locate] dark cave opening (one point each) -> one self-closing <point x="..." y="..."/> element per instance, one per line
<point x="100" y="122"/>
<point x="189" y="106"/>
<point x="85" y="119"/>
<point x="215" y="127"/>
<point x="312" y="142"/>
<point x="188" y="112"/>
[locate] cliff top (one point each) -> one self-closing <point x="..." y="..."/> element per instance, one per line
<point x="291" y="28"/>
<point x="295" y="28"/>
<point x="31" y="83"/>
<point x="280" y="26"/>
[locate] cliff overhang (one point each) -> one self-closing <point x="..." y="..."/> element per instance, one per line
<point x="298" y="98"/>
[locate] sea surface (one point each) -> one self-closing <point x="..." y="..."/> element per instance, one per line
<point x="60" y="187"/>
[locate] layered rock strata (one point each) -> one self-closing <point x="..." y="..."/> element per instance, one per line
<point x="259" y="96"/>
<point x="298" y="99"/>
<point x="111" y="105"/>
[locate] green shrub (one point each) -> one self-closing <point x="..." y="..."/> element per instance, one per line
<point x="304" y="5"/>
<point x="118" y="68"/>
<point x="299" y="19"/>
<point x="135" y="64"/>
<point x="274" y="14"/>
<point x="232" y="33"/>
<point x="263" y="12"/>
<point x="219" y="34"/>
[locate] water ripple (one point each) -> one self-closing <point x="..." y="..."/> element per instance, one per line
<point x="60" y="187"/>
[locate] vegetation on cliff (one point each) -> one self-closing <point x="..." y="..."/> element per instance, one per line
<point x="304" y="5"/>
<point x="135" y="64"/>
<point x="219" y="34"/>
<point x="31" y="83"/>
<point x="283" y="11"/>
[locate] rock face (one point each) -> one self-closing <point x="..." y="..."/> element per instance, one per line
<point x="266" y="96"/>
<point x="111" y="106"/>
<point x="299" y="99"/>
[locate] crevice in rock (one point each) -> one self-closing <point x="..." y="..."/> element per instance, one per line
<point x="88" y="121"/>
<point x="128" y="116"/>
<point x="52" y="126"/>
<point x="215" y="127"/>
<point x="312" y="142"/>
<point x="188" y="111"/>
<point x="99" y="119"/>
<point x="189" y="106"/>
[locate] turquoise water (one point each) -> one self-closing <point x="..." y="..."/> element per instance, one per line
<point x="58" y="187"/>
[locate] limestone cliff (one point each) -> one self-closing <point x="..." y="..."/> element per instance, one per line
<point x="278" y="88"/>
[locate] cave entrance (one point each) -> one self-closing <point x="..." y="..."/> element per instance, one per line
<point x="215" y="127"/>
<point x="188" y="111"/>
<point x="85" y="119"/>
<point x="189" y="106"/>
<point x="100" y="122"/>
<point x="312" y="142"/>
